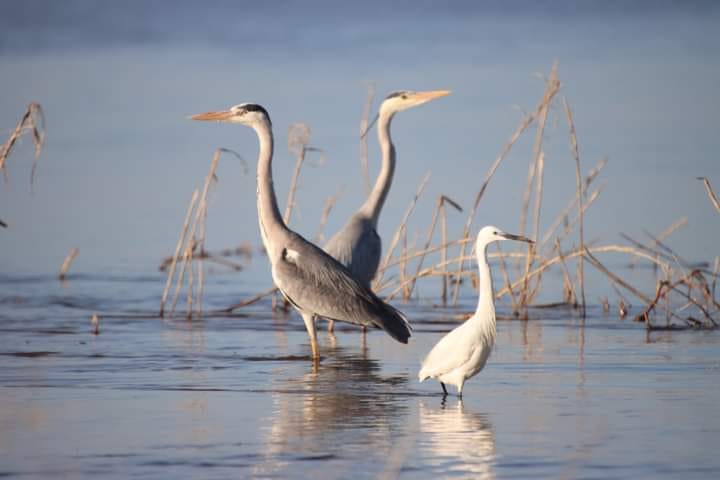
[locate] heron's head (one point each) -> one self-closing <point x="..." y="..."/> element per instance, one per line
<point x="249" y="114"/>
<point x="404" y="99"/>
<point x="490" y="234"/>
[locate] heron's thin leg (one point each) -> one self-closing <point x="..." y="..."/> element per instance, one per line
<point x="331" y="326"/>
<point x="309" y="320"/>
<point x="444" y="389"/>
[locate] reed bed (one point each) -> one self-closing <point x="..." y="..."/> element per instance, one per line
<point x="31" y="123"/>
<point x="685" y="293"/>
<point x="190" y="248"/>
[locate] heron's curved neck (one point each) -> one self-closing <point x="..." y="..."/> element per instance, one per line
<point x="485" y="312"/>
<point x="375" y="201"/>
<point x="271" y="222"/>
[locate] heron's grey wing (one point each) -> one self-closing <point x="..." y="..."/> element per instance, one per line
<point x="358" y="247"/>
<point x="452" y="351"/>
<point x="316" y="283"/>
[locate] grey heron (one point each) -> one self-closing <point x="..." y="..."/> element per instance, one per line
<point x="357" y="245"/>
<point x="463" y="352"/>
<point x="313" y="282"/>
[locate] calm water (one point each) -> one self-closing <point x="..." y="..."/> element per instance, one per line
<point x="236" y="396"/>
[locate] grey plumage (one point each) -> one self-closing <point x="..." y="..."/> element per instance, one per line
<point x="316" y="283"/>
<point x="313" y="281"/>
<point x="358" y="247"/>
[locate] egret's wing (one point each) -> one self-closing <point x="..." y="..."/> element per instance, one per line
<point x="452" y="351"/>
<point x="316" y="283"/>
<point x="358" y="247"/>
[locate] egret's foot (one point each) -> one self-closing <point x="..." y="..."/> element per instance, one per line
<point x="445" y="392"/>
<point x="331" y="326"/>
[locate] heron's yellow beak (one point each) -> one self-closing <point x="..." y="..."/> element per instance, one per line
<point x="431" y="95"/>
<point x="213" y="116"/>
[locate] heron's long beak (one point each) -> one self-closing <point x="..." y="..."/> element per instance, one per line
<point x="431" y="95"/>
<point x="519" y="238"/>
<point x="213" y="116"/>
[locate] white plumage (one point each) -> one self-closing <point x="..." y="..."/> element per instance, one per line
<point x="463" y="352"/>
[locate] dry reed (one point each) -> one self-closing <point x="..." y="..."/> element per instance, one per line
<point x="711" y="194"/>
<point x="32" y="122"/>
<point x="67" y="262"/>
<point x="364" y="125"/>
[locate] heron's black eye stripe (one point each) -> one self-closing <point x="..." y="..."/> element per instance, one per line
<point x="404" y="97"/>
<point x="396" y="94"/>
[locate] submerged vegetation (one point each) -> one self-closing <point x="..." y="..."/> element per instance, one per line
<point x="685" y="293"/>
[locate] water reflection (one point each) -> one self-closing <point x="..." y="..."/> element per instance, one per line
<point x="457" y="441"/>
<point x="342" y="408"/>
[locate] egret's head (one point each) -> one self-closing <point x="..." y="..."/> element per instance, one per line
<point x="404" y="99"/>
<point x="250" y="114"/>
<point x="491" y="234"/>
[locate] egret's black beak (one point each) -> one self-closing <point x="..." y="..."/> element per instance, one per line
<point x="518" y="238"/>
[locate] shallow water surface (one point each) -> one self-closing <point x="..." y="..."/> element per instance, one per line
<point x="236" y="396"/>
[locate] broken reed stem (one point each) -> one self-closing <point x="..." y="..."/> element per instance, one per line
<point x="531" y="248"/>
<point x="551" y="88"/>
<point x="298" y="138"/>
<point x="188" y="236"/>
<point x="201" y="256"/>
<point x="364" y="122"/>
<point x="566" y="212"/>
<point x="576" y="156"/>
<point x="506" y="279"/>
<point x="189" y="300"/>
<point x="253" y="299"/>
<point x="575" y="253"/>
<point x="28" y="123"/>
<point x="443" y="251"/>
<point x="596" y="263"/>
<point x="67" y="262"/>
<point x="298" y="143"/>
<point x="571" y="297"/>
<point x="711" y="193"/>
<point x="398" y="232"/>
<point x="403" y="264"/>
<point x="431" y="231"/>
<point x="180" y="243"/>
<point x="524" y="125"/>
<point x="327" y="207"/>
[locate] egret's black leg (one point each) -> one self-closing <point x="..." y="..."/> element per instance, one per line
<point x="444" y="389"/>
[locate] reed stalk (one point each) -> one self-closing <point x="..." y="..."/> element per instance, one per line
<point x="398" y="232"/>
<point x="67" y="262"/>
<point x="576" y="156"/>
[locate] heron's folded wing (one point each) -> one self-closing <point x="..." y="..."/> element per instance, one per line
<point x="317" y="283"/>
<point x="358" y="247"/>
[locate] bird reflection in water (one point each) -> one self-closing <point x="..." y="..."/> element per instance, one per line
<point x="456" y="441"/>
<point x="336" y="409"/>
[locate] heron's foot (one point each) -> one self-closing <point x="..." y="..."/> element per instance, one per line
<point x="445" y="392"/>
<point x="331" y="326"/>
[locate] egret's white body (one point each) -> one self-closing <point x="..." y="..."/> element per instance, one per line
<point x="463" y="352"/>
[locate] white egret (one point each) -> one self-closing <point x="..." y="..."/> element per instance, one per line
<point x="463" y="352"/>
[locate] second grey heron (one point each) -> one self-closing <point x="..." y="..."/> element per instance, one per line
<point x="463" y="352"/>
<point x="313" y="282"/>
<point x="357" y="245"/>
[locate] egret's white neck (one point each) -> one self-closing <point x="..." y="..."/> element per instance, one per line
<point x="485" y="312"/>
<point x="272" y="226"/>
<point x="375" y="201"/>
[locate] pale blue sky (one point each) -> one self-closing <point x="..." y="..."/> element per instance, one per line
<point x="117" y="82"/>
